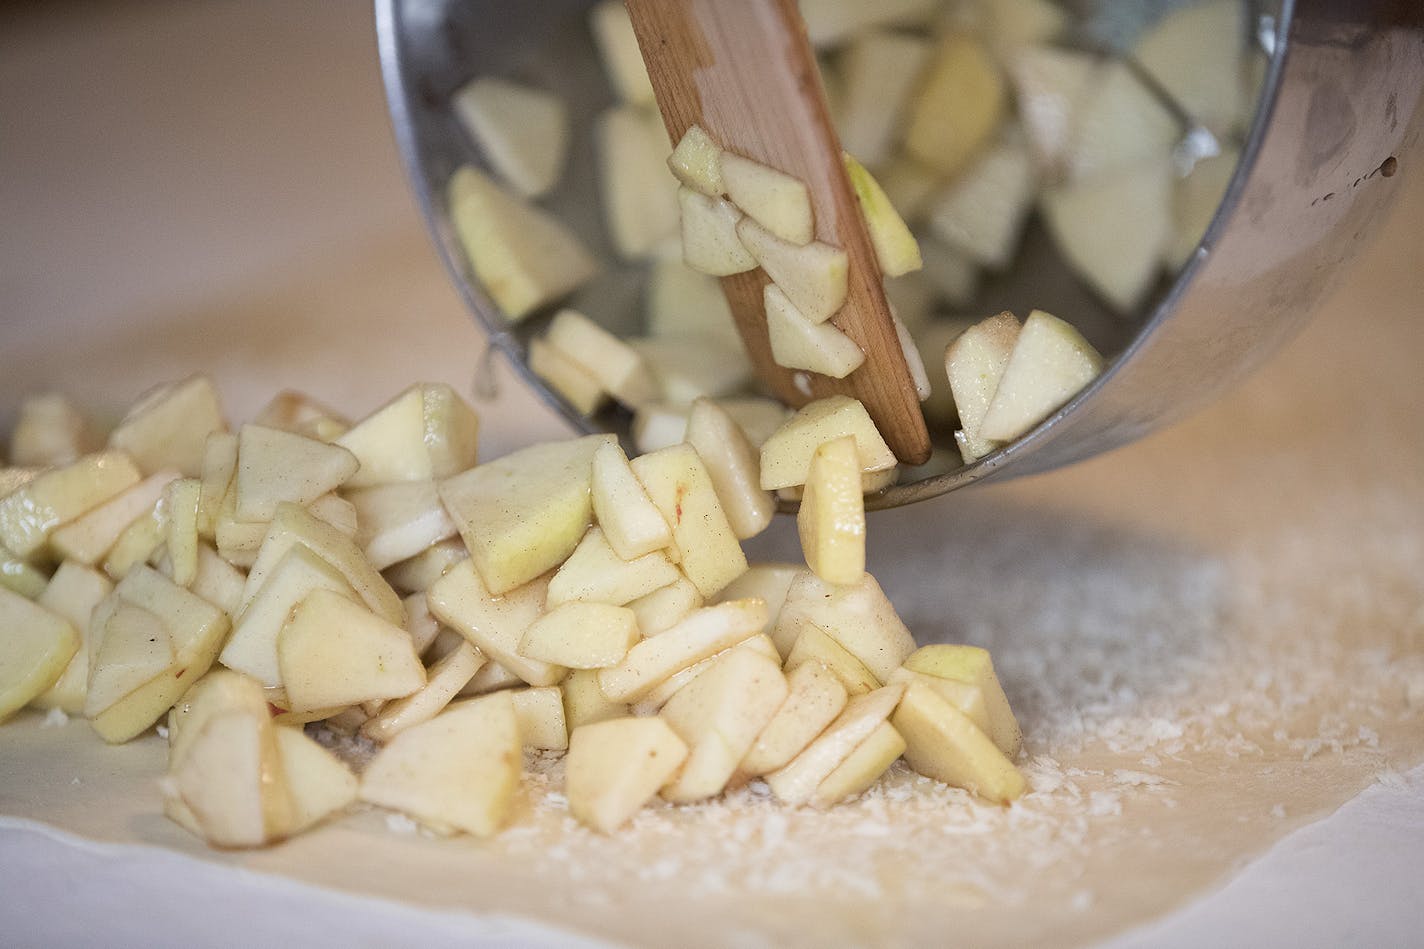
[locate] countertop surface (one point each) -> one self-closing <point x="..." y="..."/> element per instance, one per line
<point x="1215" y="637"/>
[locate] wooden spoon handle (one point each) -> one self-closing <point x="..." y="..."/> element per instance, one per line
<point x="744" y="70"/>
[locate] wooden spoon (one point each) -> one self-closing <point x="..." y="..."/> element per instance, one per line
<point x="745" y="71"/>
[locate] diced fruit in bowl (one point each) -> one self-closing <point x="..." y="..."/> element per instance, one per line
<point x="522" y="131"/>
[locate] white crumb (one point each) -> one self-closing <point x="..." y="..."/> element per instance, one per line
<point x="400" y="824"/>
<point x="55" y="718"/>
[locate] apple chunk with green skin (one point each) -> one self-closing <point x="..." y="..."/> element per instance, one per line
<point x="831" y="521"/>
<point x="945" y="745"/>
<point x="631" y="523"/>
<point x="786" y="455"/>
<point x="798" y="781"/>
<point x="719" y="715"/>
<point x="973" y="667"/>
<point x="896" y="249"/>
<point x="701" y="635"/>
<point x="974" y="363"/>
<point x="523" y="514"/>
<point x="494" y="624"/>
<point x="697" y="162"/>
<point x="457" y="772"/>
<point x="522" y="256"/>
<point x="1051" y="362"/>
<point x="858" y="616"/>
<point x="710" y="243"/>
<point x="813" y="276"/>
<point x="679" y="485"/>
<point x="523" y="131"/>
<point x="734" y="467"/>
<point x="333" y="653"/>
<point x="814" y="698"/>
<point x="35" y="647"/>
<point x="777" y="201"/>
<point x="799" y="343"/>
<point x="615" y="767"/>
<point x="30" y="513"/>
<point x="427" y="432"/>
<point x="169" y="426"/>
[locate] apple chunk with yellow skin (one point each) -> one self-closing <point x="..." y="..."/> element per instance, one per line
<point x="523" y="514"/>
<point x="631" y="523"/>
<point x="798" y="781"/>
<point x="959" y="106"/>
<point x="858" y="616"/>
<point x="831" y="521"/>
<point x="971" y="667"/>
<point x="896" y="249"/>
<point x="800" y="343"/>
<point x="704" y="633"/>
<point x="73" y="593"/>
<point x="427" y="432"/>
<point x="35" y="647"/>
<point x="494" y="624"/>
<point x="813" y="645"/>
<point x="777" y="201"/>
<point x="1050" y="363"/>
<point x="814" y="698"/>
<point x="30" y="513"/>
<point x="615" y="767"/>
<point x="719" y="714"/>
<point x="333" y="653"/>
<point x="786" y="455"/>
<point x="974" y="363"/>
<point x="457" y="772"/>
<point x="733" y="465"/>
<point x="697" y="162"/>
<point x="581" y="635"/>
<point x="680" y="487"/>
<point x="945" y="745"/>
<point x="861" y="768"/>
<point x="169" y="426"/>
<point x="594" y="573"/>
<point x="813" y="276"/>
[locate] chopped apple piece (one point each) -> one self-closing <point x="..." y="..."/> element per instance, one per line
<point x="36" y="646"/>
<point x="1198" y="197"/>
<point x="813" y="645"/>
<point x="1011" y="24"/>
<point x="775" y="200"/>
<point x="218" y="582"/>
<point x="595" y="573"/>
<point x="860" y="617"/>
<point x="1197" y="53"/>
<point x="419" y="572"/>
<point x="495" y="624"/>
<point x="1120" y="124"/>
<point x="799" y="343"/>
<point x="444" y="680"/>
<point x="1050" y="84"/>
<point x="584" y="702"/>
<point x="20" y="576"/>
<point x="861" y="768"/>
<point x="688" y="368"/>
<point x="831" y="521"/>
<point x="423" y="627"/>
<point x="758" y="417"/>
<point x="710" y="241"/>
<point x="570" y="380"/>
<point x="169" y="426"/>
<point x="297" y="412"/>
<point x="49" y="431"/>
<point x="678" y="484"/>
<point x="72" y="594"/>
<point x="616" y="766"/>
<point x="629" y="521"/>
<point x="973" y="667"/>
<point x="523" y="514"/>
<point x="896" y="249"/>
<point x="797" y="782"/>
<point x="974" y="363"/>
<point x="734" y="467"/>
<point x="618" y="49"/>
<point x="697" y="162"/>
<point x="218" y="467"/>
<point x="969" y="699"/>
<point x="619" y="369"/>
<point x="766" y="581"/>
<point x="318" y="782"/>
<point x="252" y="647"/>
<point x="426" y="432"/>
<point x="523" y="132"/>
<point x="659" y="426"/>
<point x="230" y="781"/>
<point x="581" y="636"/>
<point x="942" y="743"/>
<point x="959" y="107"/>
<point x="191" y="630"/>
<point x="982" y="213"/>
<point x="682" y="302"/>
<point x="933" y="340"/>
<point x="333" y="652"/>
<point x="1051" y="362"/>
<point x="275" y="466"/>
<point x="640" y="205"/>
<point x="30" y="513"/>
<point x="12" y="479"/>
<point x="786" y="455"/>
<point x="829" y="22"/>
<point x="719" y="715"/>
<point x="913" y="362"/>
<point x="139" y="542"/>
<point x="666" y="607"/>
<point x="398" y="521"/>
<point x="492" y="677"/>
<point x="702" y="634"/>
<point x="87" y="538"/>
<point x="131" y="649"/>
<point x="523" y="256"/>
<point x="653" y="702"/>
<point x="881" y="70"/>
<point x="813" y="276"/>
<point x="293" y="526"/>
<point x="181" y="500"/>
<point x="540" y="713"/>
<point x="457" y="772"/>
<point x="815" y="697"/>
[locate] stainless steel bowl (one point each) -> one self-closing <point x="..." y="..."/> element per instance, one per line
<point x="1338" y="122"/>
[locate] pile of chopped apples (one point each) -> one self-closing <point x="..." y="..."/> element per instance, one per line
<point x="974" y="116"/>
<point x="304" y="573"/>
